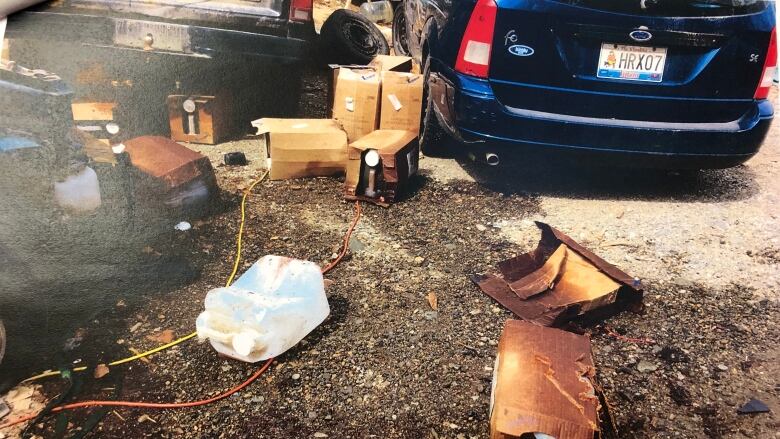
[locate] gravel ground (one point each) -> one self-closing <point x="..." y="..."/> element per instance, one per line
<point x="386" y="364"/>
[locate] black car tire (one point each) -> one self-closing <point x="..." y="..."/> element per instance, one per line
<point x="433" y="138"/>
<point x="399" y="30"/>
<point x="349" y="38"/>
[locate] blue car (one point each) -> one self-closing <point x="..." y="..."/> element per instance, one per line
<point x="650" y="83"/>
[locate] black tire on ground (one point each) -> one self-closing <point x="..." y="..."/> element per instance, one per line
<point x="399" y="30"/>
<point x="433" y="138"/>
<point x="347" y="37"/>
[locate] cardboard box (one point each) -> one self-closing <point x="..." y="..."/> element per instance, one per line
<point x="167" y="161"/>
<point x="399" y="155"/>
<point x="303" y="147"/>
<point x="401" y="105"/>
<point x="198" y="119"/>
<point x="543" y="382"/>
<point x="93" y="117"/>
<point x="356" y="101"/>
<point x="392" y="63"/>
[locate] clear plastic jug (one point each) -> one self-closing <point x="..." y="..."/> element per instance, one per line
<point x="378" y="12"/>
<point x="268" y="310"/>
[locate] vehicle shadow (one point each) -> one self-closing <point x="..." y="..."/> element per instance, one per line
<point x="549" y="175"/>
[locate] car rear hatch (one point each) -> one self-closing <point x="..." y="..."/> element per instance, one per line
<point x="647" y="60"/>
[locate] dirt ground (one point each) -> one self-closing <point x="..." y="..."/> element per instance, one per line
<point x="385" y="364"/>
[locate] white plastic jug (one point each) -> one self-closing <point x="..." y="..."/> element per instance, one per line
<point x="80" y="192"/>
<point x="268" y="310"/>
<point x="377" y="11"/>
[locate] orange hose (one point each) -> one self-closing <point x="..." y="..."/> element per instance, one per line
<point x="346" y="239"/>
<point x="172" y="405"/>
<point x="154" y="405"/>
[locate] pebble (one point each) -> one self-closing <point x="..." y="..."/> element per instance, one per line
<point x="431" y="315"/>
<point x="296" y="376"/>
<point x="320" y="434"/>
<point x="418" y="260"/>
<point x="481" y="228"/>
<point x="645" y="366"/>
<point x="722" y="367"/>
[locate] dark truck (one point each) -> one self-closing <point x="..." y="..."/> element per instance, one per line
<point x="279" y="31"/>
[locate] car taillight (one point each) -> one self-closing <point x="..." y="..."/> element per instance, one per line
<point x="770" y="65"/>
<point x="475" y="48"/>
<point x="301" y="10"/>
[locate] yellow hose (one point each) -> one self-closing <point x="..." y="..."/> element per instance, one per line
<point x="239" y="238"/>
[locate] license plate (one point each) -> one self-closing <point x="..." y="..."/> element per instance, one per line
<point x="632" y="63"/>
<point x="152" y="36"/>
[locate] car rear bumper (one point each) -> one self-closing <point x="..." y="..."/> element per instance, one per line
<point x="202" y="41"/>
<point x="470" y="111"/>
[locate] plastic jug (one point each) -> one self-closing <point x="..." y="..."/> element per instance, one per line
<point x="268" y="310"/>
<point x="378" y="12"/>
<point x="80" y="192"/>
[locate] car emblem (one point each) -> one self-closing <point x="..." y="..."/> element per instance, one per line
<point x="640" y="35"/>
<point x="520" y="50"/>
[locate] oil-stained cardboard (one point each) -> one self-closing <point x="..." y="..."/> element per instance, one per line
<point x="560" y="281"/>
<point x="543" y="382"/>
<point x="392" y="63"/>
<point x="401" y="101"/>
<point x="303" y="147"/>
<point x="167" y="161"/>
<point x="356" y="101"/>
<point x="399" y="159"/>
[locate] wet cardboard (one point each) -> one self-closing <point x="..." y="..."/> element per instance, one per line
<point x="210" y="117"/>
<point x="356" y="101"/>
<point x="303" y="147"/>
<point x="560" y="281"/>
<point x="543" y="382"/>
<point x="401" y="104"/>
<point x="167" y="161"/>
<point x="392" y="63"/>
<point x="399" y="153"/>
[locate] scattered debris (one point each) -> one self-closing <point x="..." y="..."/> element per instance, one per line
<point x="433" y="301"/>
<point x="380" y="166"/>
<point x="392" y="63"/>
<point x="266" y="311"/>
<point x="145" y="418"/>
<point x="680" y="394"/>
<point x="237" y="158"/>
<point x="543" y="384"/>
<point x="302" y="147"/>
<point x="645" y="366"/>
<point x="100" y="371"/>
<point x="183" y="226"/>
<point x="163" y="337"/>
<point x="560" y="281"/>
<point x="753" y="406"/>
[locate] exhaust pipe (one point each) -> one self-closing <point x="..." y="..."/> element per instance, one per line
<point x="489" y="158"/>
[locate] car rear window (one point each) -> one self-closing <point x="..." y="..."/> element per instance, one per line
<point x="674" y="8"/>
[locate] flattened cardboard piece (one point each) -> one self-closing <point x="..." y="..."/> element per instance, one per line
<point x="543" y="382"/>
<point x="303" y="147"/>
<point x="401" y="101"/>
<point x="356" y="101"/>
<point x="580" y="285"/>
<point x="392" y="63"/>
<point x="399" y="155"/>
<point x="167" y="161"/>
